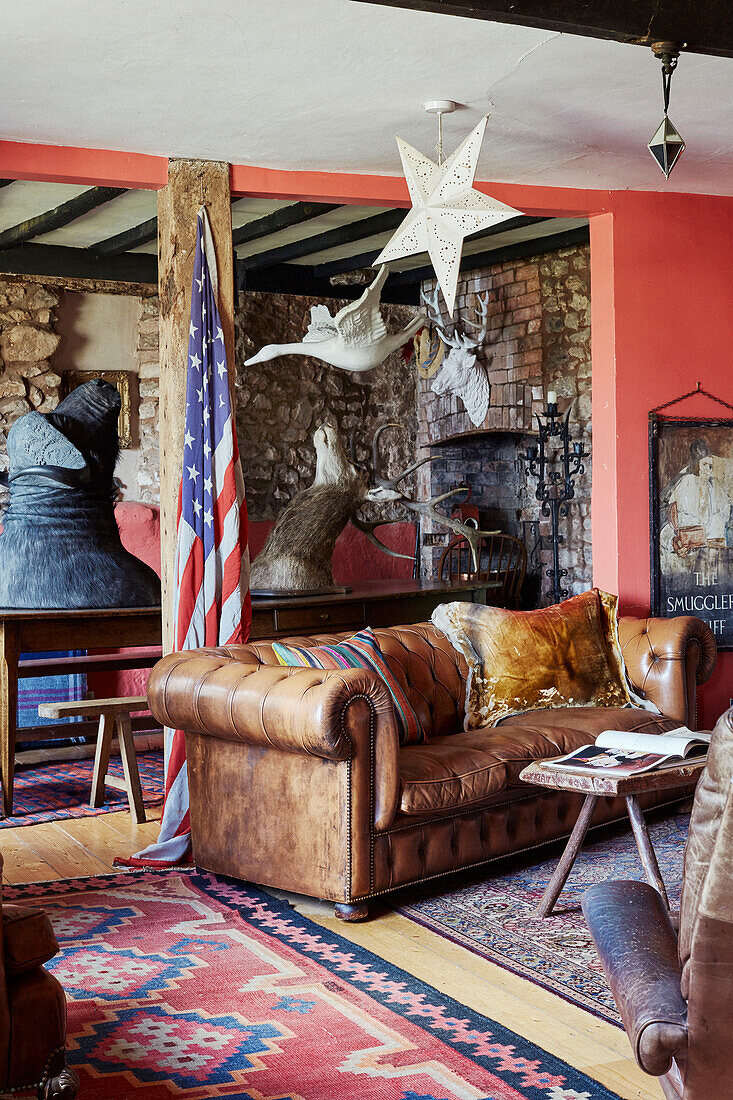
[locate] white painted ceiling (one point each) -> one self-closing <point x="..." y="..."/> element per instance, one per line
<point x="325" y="84"/>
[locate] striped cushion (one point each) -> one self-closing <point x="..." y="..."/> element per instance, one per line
<point x="361" y="651"/>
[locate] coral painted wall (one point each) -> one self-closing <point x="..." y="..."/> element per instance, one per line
<point x="662" y="320"/>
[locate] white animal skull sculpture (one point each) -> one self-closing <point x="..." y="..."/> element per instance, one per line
<point x="461" y="373"/>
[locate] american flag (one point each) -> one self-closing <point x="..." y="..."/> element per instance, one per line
<point x="212" y="601"/>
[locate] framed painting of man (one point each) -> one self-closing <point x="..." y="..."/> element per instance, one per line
<point x="691" y="506"/>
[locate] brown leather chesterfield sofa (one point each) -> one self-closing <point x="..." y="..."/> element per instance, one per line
<point x="297" y="779"/>
<point x="32" y="1008"/>
<point x="675" y="993"/>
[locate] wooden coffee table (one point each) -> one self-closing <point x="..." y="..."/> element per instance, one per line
<point x="543" y="774"/>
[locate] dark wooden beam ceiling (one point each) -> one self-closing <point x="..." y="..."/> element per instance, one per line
<point x="284" y="218"/>
<point x="519" y="251"/>
<point x="60" y="215"/>
<point x="365" y="259"/>
<point x="127" y="240"/>
<point x="333" y="238"/>
<point x="79" y="263"/>
<point x="704" y="27"/>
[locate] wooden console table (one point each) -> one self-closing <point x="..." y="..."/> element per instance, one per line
<point x="23" y="631"/>
<point x="375" y="603"/>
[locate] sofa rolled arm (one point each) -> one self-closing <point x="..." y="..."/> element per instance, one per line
<point x="637" y="946"/>
<point x="333" y="714"/>
<point x="667" y="659"/>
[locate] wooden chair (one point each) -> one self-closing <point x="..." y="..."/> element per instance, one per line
<point x="111" y="713"/>
<point x="502" y="562"/>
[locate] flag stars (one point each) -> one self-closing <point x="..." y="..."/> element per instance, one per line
<point x="195" y="362"/>
<point x="193" y="473"/>
<point x="200" y="282"/>
<point x="188" y="441"/>
<point x="221" y="367"/>
<point x="197" y="507"/>
<point x="206" y="416"/>
<point x="192" y="329"/>
<point x="207" y="484"/>
<point x="219" y="333"/>
<point x="207" y="449"/>
<point x="208" y="519"/>
<point x="200" y="394"/>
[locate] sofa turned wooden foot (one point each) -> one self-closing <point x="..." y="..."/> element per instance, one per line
<point x="64" y="1086"/>
<point x="358" y="911"/>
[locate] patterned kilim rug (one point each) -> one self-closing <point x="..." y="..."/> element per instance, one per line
<point x="49" y="792"/>
<point x="491" y="913"/>
<point x="184" y="984"/>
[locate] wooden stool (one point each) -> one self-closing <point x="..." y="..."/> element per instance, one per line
<point x="111" y="712"/>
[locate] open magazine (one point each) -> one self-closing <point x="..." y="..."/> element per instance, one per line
<point x="617" y="753"/>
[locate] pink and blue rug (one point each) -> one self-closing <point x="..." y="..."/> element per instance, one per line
<point x="183" y="984"/>
<point x="491" y="912"/>
<point x="51" y="792"/>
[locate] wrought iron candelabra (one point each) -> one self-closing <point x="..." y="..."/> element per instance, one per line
<point x="555" y="466"/>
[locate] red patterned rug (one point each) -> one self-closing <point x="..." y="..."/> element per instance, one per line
<point x="50" y="792"/>
<point x="188" y="985"/>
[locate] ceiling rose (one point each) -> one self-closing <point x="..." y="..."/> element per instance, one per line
<point x="445" y="209"/>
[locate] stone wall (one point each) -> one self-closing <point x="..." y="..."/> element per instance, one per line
<point x="27" y="342"/>
<point x="281" y="403"/>
<point x="148" y="371"/>
<point x="539" y="339"/>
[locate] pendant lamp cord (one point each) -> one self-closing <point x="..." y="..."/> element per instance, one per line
<point x="669" y="64"/>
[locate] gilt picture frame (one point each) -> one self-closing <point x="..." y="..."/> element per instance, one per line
<point x="691" y="520"/>
<point x="124" y="381"/>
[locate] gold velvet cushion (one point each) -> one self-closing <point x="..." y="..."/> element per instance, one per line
<point x="562" y="656"/>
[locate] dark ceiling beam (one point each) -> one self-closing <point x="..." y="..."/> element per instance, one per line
<point x="283" y="218"/>
<point x="301" y="279"/>
<point x="60" y="215"/>
<point x="366" y="259"/>
<point x="334" y="238"/>
<point x="537" y="246"/>
<point x="6" y="183"/>
<point x="127" y="240"/>
<point x="704" y="27"/>
<point x="78" y="263"/>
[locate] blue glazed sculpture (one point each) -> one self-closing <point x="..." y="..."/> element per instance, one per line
<point x="60" y="547"/>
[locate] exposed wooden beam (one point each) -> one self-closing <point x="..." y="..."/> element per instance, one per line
<point x="127" y="240"/>
<point x="78" y="263"/>
<point x="191" y="183"/>
<point x="301" y="279"/>
<point x="333" y="238"/>
<point x="283" y="218"/>
<point x="60" y="215"/>
<point x="366" y="259"/>
<point x="519" y="251"/>
<point x="705" y="28"/>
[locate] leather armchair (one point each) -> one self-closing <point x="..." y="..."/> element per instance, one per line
<point x="297" y="779"/>
<point x="32" y="1008"/>
<point x="674" y="992"/>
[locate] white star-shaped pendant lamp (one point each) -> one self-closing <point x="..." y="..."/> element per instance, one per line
<point x="445" y="209"/>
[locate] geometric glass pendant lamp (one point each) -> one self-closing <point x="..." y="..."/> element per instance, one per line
<point x="666" y="146"/>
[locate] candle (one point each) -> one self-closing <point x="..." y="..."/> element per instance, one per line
<point x="551" y="397"/>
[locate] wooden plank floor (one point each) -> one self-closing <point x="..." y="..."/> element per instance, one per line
<point x="87" y="846"/>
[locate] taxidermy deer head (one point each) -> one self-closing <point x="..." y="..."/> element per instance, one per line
<point x="461" y="373"/>
<point x="298" y="551"/>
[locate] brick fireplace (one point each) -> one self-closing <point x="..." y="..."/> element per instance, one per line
<point x="539" y="340"/>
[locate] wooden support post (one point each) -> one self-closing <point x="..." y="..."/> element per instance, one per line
<point x="191" y="184"/>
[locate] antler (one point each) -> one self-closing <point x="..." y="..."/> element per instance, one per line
<point x="462" y="341"/>
<point x="388" y="489"/>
